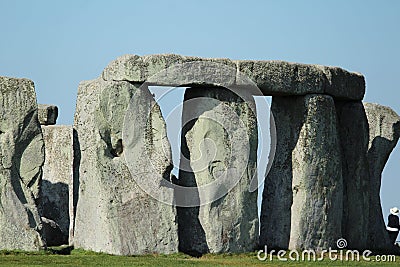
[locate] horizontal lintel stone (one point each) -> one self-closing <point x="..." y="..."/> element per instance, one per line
<point x="275" y="78"/>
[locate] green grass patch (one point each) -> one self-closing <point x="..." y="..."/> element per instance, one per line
<point x="66" y="256"/>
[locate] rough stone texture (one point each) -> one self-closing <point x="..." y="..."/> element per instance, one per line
<point x="302" y="199"/>
<point x="216" y="145"/>
<point x="274" y="78"/>
<point x="113" y="214"/>
<point x="57" y="183"/>
<point x="275" y="217"/>
<point x="317" y="179"/>
<point x="354" y="138"/>
<point x="384" y="132"/>
<point x="22" y="156"/>
<point x="47" y="114"/>
<point x="152" y="69"/>
<point x="343" y="84"/>
<point x="283" y="78"/>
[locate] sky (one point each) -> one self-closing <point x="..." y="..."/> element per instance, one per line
<point x="57" y="44"/>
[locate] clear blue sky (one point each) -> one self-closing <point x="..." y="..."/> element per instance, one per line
<point x="57" y="44"/>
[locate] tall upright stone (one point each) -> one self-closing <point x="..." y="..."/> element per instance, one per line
<point x="354" y="139"/>
<point x="114" y="214"/>
<point x="219" y="145"/>
<point x="57" y="184"/>
<point x="277" y="200"/>
<point x="384" y="133"/>
<point x="317" y="179"/>
<point x="22" y="156"/>
<point x="302" y="200"/>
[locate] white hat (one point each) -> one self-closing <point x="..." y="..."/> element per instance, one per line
<point x="394" y="211"/>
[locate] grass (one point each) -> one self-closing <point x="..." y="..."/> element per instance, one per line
<point x="77" y="257"/>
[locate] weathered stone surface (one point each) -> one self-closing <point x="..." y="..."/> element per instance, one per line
<point x="220" y="146"/>
<point x="113" y="214"/>
<point x="354" y="138"/>
<point x="21" y="154"/>
<point x="275" y="217"/>
<point x="384" y="132"/>
<point x="302" y="200"/>
<point x="343" y="84"/>
<point x="153" y="69"/>
<point x="57" y="183"/>
<point x="317" y="179"/>
<point x="47" y="114"/>
<point x="283" y="78"/>
<point x="274" y="78"/>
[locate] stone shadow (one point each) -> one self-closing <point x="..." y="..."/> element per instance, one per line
<point x="75" y="182"/>
<point x="26" y="190"/>
<point x="191" y="235"/>
<point x="277" y="200"/>
<point x="55" y="212"/>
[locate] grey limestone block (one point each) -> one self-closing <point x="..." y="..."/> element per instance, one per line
<point x="354" y="139"/>
<point x="276" y="78"/>
<point x="302" y="199"/>
<point x="47" y="114"/>
<point x="384" y="132"/>
<point x="316" y="213"/>
<point x="57" y="183"/>
<point x="219" y="145"/>
<point x="113" y="213"/>
<point x="21" y="157"/>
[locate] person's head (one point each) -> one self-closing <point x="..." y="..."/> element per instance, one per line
<point x="394" y="211"/>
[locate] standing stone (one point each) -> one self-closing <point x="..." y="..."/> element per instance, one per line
<point x="384" y="132"/>
<point x="57" y="183"/>
<point x="317" y="179"/>
<point x="219" y="142"/>
<point x="354" y="139"/>
<point x="113" y="214"/>
<point x="277" y="195"/>
<point x="22" y="156"/>
<point x="302" y="200"/>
